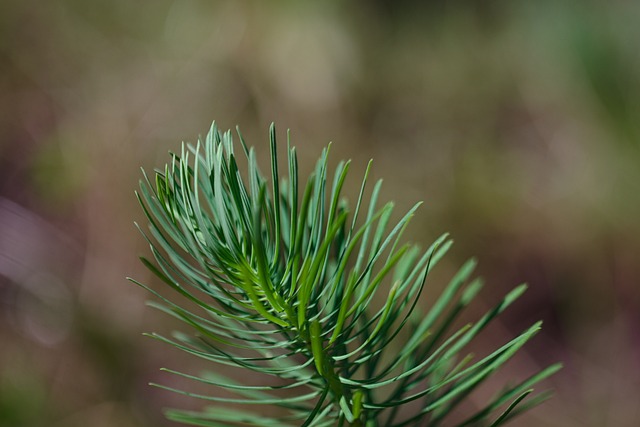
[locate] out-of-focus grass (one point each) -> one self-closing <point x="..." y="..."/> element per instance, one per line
<point x="517" y="122"/>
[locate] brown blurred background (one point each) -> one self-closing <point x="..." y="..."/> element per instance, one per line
<point x="517" y="122"/>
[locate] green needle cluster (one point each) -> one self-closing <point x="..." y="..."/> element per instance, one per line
<point x="316" y="304"/>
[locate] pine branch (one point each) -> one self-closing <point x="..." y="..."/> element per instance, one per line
<point x="281" y="278"/>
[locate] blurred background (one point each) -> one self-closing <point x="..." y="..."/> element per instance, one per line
<point x="518" y="124"/>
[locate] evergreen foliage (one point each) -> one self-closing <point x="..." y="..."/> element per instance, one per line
<point x="319" y="303"/>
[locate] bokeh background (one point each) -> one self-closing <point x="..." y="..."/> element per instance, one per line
<point x="517" y="122"/>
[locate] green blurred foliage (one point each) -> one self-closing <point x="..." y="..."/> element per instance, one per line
<point x="517" y="122"/>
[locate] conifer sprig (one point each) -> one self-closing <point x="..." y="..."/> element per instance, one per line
<point x="316" y="303"/>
